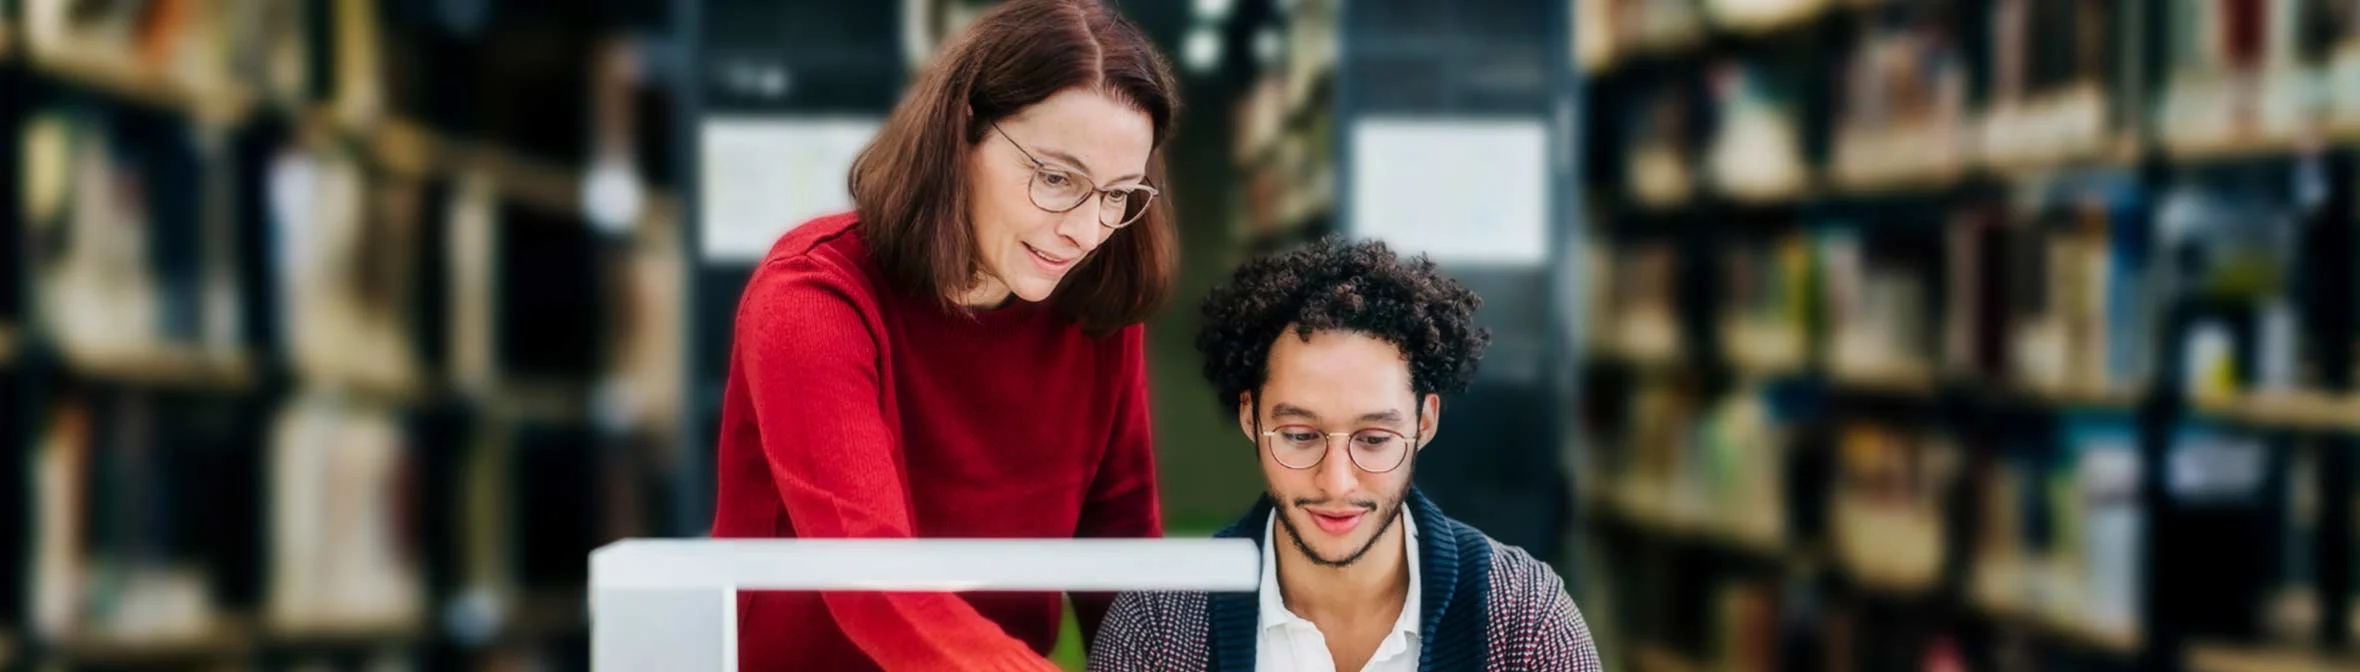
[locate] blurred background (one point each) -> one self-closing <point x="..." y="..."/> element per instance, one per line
<point x="1829" y="334"/>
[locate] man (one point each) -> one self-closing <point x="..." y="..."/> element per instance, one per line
<point x="1336" y="356"/>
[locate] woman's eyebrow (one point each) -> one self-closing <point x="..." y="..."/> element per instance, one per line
<point x="1084" y="167"/>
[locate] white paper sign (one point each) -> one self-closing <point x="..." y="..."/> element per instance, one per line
<point x="1459" y="190"/>
<point x="764" y="175"/>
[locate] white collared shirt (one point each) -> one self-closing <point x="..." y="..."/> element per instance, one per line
<point x="1290" y="644"/>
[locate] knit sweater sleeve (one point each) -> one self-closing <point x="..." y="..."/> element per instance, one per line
<point x="808" y="350"/>
<point x="1535" y="625"/>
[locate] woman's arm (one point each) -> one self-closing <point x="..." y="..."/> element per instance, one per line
<point x="1122" y="500"/>
<point x="810" y="363"/>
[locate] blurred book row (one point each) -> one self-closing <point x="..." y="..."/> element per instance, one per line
<point x="342" y="329"/>
<point x="1867" y="544"/>
<point x="1285" y="138"/>
<point x="1773" y="100"/>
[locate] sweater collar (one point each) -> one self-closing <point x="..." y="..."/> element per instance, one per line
<point x="1454" y="566"/>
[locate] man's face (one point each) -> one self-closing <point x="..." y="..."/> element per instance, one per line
<point x="1337" y="383"/>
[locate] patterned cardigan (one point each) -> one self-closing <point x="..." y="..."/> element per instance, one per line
<point x="1487" y="605"/>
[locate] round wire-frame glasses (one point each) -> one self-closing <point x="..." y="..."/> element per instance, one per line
<point x="1058" y="190"/>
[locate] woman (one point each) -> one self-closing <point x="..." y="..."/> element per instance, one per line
<point x="961" y="356"/>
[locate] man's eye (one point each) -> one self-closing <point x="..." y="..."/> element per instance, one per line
<point x="1301" y="437"/>
<point x="1055" y="179"/>
<point x="1376" y="440"/>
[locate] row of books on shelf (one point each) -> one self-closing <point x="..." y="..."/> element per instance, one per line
<point x="2058" y="531"/>
<point x="2244" y="77"/>
<point x="1610" y="31"/>
<point x="427" y="91"/>
<point x="1286" y="138"/>
<point x="196" y="529"/>
<point x="1759" y="625"/>
<point x="156" y="256"/>
<point x="2042" y="523"/>
<point x="2080" y="291"/>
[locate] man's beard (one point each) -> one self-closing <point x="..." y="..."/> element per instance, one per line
<point x="1392" y="514"/>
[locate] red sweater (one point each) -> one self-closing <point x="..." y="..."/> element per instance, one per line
<point x="854" y="410"/>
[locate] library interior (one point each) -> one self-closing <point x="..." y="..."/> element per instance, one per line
<point x="1827" y="335"/>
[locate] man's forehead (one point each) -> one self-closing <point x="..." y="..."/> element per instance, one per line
<point x="1331" y="352"/>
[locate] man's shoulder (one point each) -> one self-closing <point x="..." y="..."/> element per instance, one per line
<point x="1153" y="630"/>
<point x="1145" y="614"/>
<point x="1535" y="623"/>
<point x="1518" y="568"/>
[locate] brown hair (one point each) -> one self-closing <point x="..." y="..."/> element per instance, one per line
<point x="910" y="184"/>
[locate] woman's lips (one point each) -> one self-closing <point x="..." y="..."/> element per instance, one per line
<point x="1048" y="263"/>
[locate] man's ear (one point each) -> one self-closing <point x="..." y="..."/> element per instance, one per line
<point x="1429" y="419"/>
<point x="1245" y="416"/>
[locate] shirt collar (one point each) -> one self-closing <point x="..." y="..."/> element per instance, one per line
<point x="1274" y="608"/>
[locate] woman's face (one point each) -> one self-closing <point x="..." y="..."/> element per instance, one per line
<point x="1076" y="136"/>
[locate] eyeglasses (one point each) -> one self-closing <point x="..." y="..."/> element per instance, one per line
<point x="1375" y="450"/>
<point x="1057" y="190"/>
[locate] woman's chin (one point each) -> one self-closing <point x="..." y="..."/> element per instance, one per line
<point x="1035" y="296"/>
<point x="1033" y="290"/>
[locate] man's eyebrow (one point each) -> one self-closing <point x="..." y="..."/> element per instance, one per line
<point x="1284" y="410"/>
<point x="1382" y="416"/>
<point x="1084" y="167"/>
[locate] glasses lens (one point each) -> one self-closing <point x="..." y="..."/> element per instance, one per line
<point x="1124" y="206"/>
<point x="1057" y="191"/>
<point x="1378" y="450"/>
<point x="1296" y="447"/>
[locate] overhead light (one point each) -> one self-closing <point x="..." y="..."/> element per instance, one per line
<point x="1266" y="46"/>
<point x="1200" y="52"/>
<point x="1213" y="11"/>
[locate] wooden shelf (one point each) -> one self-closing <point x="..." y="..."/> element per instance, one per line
<point x="1656" y="658"/>
<point x="356" y="634"/>
<point x="2083" y="395"/>
<point x="558" y="401"/>
<point x="1888" y="379"/>
<point x="542" y="616"/>
<point x="2308" y="410"/>
<point x="123" y="76"/>
<point x="413" y="151"/>
<point x="1794" y="14"/>
<point x="2193" y="148"/>
<point x="2220" y="657"/>
<point x="226" y="638"/>
<point x="2062" y="629"/>
<point x="1724" y="537"/>
<point x="9" y="342"/>
<point x="173" y="368"/>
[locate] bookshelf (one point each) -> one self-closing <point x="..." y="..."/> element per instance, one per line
<point x="2009" y="262"/>
<point x="313" y="300"/>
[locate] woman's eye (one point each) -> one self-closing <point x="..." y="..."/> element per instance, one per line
<point x="1055" y="179"/>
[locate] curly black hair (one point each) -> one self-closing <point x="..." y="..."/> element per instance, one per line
<point x="1338" y="285"/>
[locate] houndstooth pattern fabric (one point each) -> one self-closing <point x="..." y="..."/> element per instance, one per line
<point x="1534" y="626"/>
<point x="1153" y="631"/>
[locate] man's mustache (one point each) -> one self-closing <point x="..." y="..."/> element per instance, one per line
<point x="1302" y="502"/>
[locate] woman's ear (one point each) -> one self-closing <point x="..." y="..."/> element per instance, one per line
<point x="1429" y="419"/>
